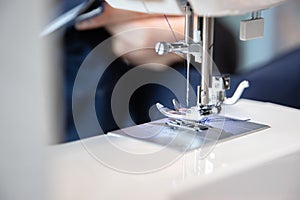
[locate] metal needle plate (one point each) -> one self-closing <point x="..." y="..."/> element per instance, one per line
<point x="220" y="129"/>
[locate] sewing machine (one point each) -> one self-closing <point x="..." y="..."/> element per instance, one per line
<point x="186" y="157"/>
<point x="197" y="47"/>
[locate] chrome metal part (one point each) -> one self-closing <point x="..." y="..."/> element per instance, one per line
<point x="211" y="93"/>
<point x="188" y="125"/>
<point x="162" y="48"/>
<point x="186" y="138"/>
<point x="188" y="37"/>
<point x="189" y="24"/>
<point x="191" y="114"/>
<point x="207" y="62"/>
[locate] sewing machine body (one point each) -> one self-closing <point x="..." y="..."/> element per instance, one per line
<point x="215" y="8"/>
<point x="198" y="46"/>
<point x="261" y="165"/>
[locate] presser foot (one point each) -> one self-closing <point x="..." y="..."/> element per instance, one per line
<point x="185" y="124"/>
<point x="185" y="118"/>
<point x="190" y="118"/>
<point x="195" y="113"/>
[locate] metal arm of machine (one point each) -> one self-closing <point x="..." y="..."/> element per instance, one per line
<point x="211" y="93"/>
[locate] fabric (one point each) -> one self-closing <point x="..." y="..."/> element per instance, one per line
<point x="278" y="81"/>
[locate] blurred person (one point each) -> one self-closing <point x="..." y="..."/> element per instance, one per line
<point x="81" y="39"/>
<point x="117" y="21"/>
<point x="276" y="81"/>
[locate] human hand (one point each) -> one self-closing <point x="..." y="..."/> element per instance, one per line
<point x="150" y="30"/>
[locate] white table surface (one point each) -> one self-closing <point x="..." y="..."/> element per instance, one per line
<point x="261" y="165"/>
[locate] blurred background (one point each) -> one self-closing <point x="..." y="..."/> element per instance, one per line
<point x="29" y="88"/>
<point x="282" y="32"/>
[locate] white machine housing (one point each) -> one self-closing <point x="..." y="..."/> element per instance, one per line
<point x="209" y="8"/>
